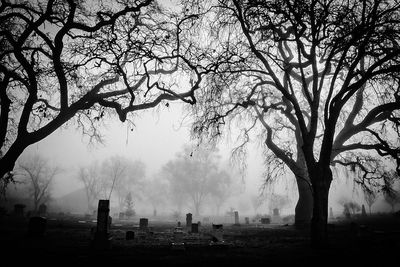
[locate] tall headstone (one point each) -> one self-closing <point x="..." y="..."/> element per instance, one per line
<point x="247" y="220"/>
<point x="330" y="213"/>
<point x="103" y="217"/>
<point x="102" y="238"/>
<point x="143" y="224"/>
<point x="188" y="220"/>
<point x="236" y="218"/>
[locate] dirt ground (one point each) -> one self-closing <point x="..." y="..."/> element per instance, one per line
<point x="67" y="242"/>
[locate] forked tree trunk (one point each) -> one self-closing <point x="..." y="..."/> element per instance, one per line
<point x="321" y="179"/>
<point x="304" y="206"/>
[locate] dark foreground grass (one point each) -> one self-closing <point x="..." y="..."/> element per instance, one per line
<point x="368" y="241"/>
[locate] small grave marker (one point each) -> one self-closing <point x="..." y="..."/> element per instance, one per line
<point x="265" y="220"/>
<point x="130" y="235"/>
<point x="217" y="233"/>
<point x="195" y="228"/>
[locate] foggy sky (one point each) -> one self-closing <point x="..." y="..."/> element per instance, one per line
<point x="156" y="139"/>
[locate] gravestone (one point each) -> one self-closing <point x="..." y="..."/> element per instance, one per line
<point x="330" y="213"/>
<point x="177" y="243"/>
<point x="179" y="224"/>
<point x="199" y="223"/>
<point x="42" y="209"/>
<point x="265" y="220"/>
<point x="143" y="224"/>
<point x="102" y="238"/>
<point x="103" y="217"/>
<point x="37" y="226"/>
<point x="130" y="235"/>
<point x="188" y="220"/>
<point x="217" y="233"/>
<point x="19" y="210"/>
<point x="195" y="228"/>
<point x="236" y="218"/>
<point x="247" y="220"/>
<point x="178" y="235"/>
<point x="276" y="212"/>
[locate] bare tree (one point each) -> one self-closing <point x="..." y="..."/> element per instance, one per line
<point x="256" y="201"/>
<point x="40" y="176"/>
<point x="370" y="197"/>
<point x="195" y="175"/>
<point x="115" y="174"/>
<point x="81" y="62"/>
<point x="222" y="189"/>
<point x="319" y="78"/>
<point x="90" y="177"/>
<point x="129" y="211"/>
<point x="156" y="191"/>
<point x="391" y="195"/>
<point x="123" y="176"/>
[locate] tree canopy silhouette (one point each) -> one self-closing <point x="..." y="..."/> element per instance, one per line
<point x="320" y="79"/>
<point x="81" y="61"/>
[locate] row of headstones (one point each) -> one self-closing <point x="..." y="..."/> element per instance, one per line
<point x="347" y="212"/>
<point x="247" y="220"/>
<point x="102" y="238"/>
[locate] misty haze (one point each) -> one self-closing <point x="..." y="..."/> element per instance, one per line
<point x="198" y="133"/>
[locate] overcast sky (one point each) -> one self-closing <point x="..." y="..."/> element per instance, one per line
<point x="157" y="137"/>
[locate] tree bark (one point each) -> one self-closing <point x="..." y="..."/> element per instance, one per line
<point x="304" y="206"/>
<point x="7" y="162"/>
<point x="321" y="179"/>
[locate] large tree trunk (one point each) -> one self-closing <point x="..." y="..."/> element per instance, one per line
<point x="321" y="179"/>
<point x="304" y="206"/>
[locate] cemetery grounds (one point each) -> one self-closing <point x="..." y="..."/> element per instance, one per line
<point x="68" y="242"/>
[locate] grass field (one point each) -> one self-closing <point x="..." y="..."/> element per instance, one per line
<point x="67" y="242"/>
